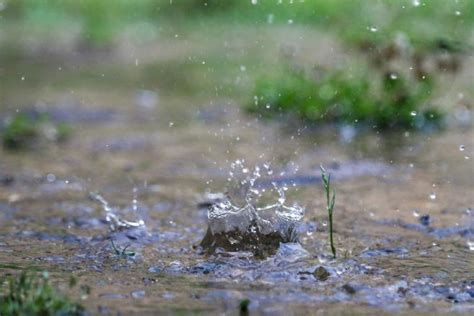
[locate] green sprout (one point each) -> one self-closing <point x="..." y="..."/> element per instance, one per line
<point x="122" y="253"/>
<point x="30" y="294"/>
<point x="330" y="201"/>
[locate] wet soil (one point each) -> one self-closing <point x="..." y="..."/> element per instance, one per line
<point x="404" y="221"/>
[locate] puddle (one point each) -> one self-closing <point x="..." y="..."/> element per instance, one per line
<point x="183" y="188"/>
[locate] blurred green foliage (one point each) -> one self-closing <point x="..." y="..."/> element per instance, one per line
<point x="19" y="131"/>
<point x="24" y="131"/>
<point x="29" y="294"/>
<point x="381" y="100"/>
<point x="422" y="22"/>
<point x="380" y="28"/>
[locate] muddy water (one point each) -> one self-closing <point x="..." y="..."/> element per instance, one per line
<point x="404" y="221"/>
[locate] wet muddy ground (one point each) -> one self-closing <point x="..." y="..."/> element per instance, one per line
<point x="404" y="217"/>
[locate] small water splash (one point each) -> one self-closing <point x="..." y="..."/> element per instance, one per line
<point x="116" y="222"/>
<point x="252" y="218"/>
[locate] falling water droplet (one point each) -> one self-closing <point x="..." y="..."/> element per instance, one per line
<point x="50" y="177"/>
<point x="413" y="113"/>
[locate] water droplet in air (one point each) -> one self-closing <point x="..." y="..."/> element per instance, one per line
<point x="254" y="2"/>
<point x="433" y="195"/>
<point x="50" y="177"/>
<point x="290" y="21"/>
<point x="462" y="147"/>
<point x="416" y="3"/>
<point x="458" y="13"/>
<point x="413" y="113"/>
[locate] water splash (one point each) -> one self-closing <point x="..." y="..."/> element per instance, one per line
<point x="116" y="222"/>
<point x="246" y="220"/>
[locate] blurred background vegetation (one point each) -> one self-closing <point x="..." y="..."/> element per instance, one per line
<point x="399" y="57"/>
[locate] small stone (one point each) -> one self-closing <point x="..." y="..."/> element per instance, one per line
<point x="321" y="273"/>
<point x="402" y="290"/>
<point x="425" y="220"/>
<point x="138" y="294"/>
<point x="155" y="270"/>
<point x="349" y="288"/>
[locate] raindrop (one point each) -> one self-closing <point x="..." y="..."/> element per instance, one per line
<point x="290" y="21"/>
<point x="50" y="177"/>
<point x="462" y="147"/>
<point x="393" y="76"/>
<point x="416" y="3"/>
<point x="433" y="195"/>
<point x="413" y="113"/>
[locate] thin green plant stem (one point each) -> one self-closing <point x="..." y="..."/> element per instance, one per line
<point x="330" y="202"/>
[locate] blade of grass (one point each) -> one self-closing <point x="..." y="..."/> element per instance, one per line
<point x="330" y="202"/>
